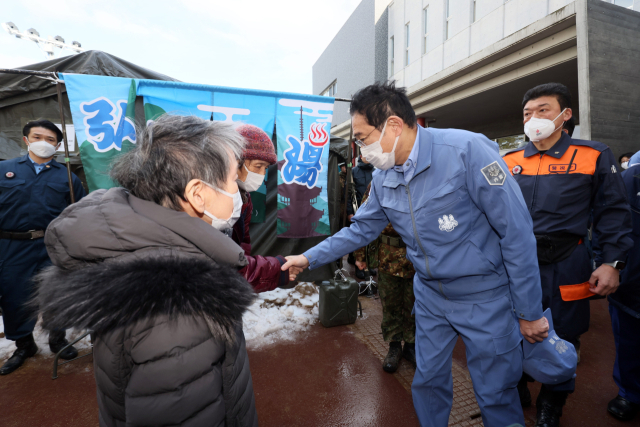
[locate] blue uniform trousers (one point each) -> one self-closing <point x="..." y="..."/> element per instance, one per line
<point x="19" y="261"/>
<point x="494" y="355"/>
<point x="570" y="318"/>
<point x="626" y="370"/>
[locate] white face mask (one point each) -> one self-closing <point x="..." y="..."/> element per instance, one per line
<point x="374" y="155"/>
<point x="625" y="165"/>
<point x="42" y="149"/>
<point x="224" y="224"/>
<point x="539" y="129"/>
<point x="252" y="182"/>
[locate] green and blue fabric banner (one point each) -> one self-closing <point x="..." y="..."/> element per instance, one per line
<point x="103" y="116"/>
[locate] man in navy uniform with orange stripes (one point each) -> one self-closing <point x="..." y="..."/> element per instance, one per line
<point x="564" y="181"/>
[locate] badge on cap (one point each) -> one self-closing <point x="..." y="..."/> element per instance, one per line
<point x="517" y="170"/>
<point x="10" y="175"/>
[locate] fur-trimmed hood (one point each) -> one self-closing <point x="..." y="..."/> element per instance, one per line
<point x="119" y="260"/>
<point x="106" y="296"/>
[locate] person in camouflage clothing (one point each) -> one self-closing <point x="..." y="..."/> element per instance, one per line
<point x="395" y="286"/>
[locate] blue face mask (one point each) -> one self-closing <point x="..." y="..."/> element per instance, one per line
<point x="224" y="224"/>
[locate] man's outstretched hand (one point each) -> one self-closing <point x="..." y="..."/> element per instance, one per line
<point x="535" y="330"/>
<point x="295" y="264"/>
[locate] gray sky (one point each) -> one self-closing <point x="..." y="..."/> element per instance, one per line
<point x="268" y="45"/>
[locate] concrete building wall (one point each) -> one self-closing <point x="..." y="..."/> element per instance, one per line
<point x="349" y="59"/>
<point x="613" y="42"/>
<point x="494" y="20"/>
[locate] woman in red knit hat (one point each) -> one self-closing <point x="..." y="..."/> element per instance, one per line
<point x="263" y="273"/>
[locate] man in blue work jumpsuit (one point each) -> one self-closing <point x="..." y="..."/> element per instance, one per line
<point x="469" y="236"/>
<point x="34" y="190"/>
<point x="565" y="182"/>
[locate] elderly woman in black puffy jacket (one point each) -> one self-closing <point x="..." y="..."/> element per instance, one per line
<point x="146" y="267"/>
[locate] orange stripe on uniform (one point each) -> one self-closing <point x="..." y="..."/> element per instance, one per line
<point x="576" y="292"/>
<point x="583" y="163"/>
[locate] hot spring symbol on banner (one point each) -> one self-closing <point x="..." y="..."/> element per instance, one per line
<point x="106" y="125"/>
<point x="302" y="191"/>
<point x="303" y="161"/>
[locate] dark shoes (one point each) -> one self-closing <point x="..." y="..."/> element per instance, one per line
<point x="57" y="342"/>
<point x="549" y="407"/>
<point x="524" y="393"/>
<point x="622" y="409"/>
<point x="392" y="360"/>
<point x="409" y="353"/>
<point x="26" y="348"/>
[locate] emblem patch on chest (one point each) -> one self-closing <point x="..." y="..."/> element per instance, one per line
<point x="10" y="175"/>
<point x="562" y="168"/>
<point x="517" y="170"/>
<point x="494" y="174"/>
<point x="447" y="223"/>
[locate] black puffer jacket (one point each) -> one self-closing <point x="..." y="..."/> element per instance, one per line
<point x="161" y="291"/>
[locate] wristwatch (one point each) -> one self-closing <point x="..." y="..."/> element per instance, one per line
<point x="619" y="265"/>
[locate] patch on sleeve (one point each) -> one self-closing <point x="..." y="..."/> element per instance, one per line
<point x="494" y="174"/>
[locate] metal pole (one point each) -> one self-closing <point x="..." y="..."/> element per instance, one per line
<point x="348" y="179"/>
<point x="342" y="99"/>
<point x="29" y="72"/>
<point x="66" y="144"/>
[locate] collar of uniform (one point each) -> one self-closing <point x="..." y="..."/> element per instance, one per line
<point x="424" y="155"/>
<point x="54" y="164"/>
<point x="51" y="162"/>
<point x="412" y="159"/>
<point x="557" y="150"/>
<point x="394" y="177"/>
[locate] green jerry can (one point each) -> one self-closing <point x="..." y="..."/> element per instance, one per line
<point x="338" y="303"/>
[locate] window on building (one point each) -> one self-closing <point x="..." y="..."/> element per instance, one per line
<point x="624" y="3"/>
<point x="331" y="90"/>
<point x="473" y="11"/>
<point x="447" y="24"/>
<point x="425" y="28"/>
<point x="391" y="55"/>
<point x="406" y="44"/>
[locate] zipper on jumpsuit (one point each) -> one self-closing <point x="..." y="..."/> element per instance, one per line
<point x="535" y="185"/>
<point x="415" y="232"/>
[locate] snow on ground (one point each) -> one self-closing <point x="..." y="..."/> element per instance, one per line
<point x="274" y="316"/>
<point x="278" y="314"/>
<point x="7" y="347"/>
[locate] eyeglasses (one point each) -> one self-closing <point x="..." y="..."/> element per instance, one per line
<point x="360" y="142"/>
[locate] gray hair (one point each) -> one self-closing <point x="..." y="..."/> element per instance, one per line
<point x="171" y="152"/>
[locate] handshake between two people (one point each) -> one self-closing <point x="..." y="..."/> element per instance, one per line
<point x="295" y="265"/>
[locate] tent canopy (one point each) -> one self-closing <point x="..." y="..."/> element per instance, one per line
<point x="25" y="98"/>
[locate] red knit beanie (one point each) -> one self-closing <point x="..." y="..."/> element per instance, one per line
<point x="259" y="145"/>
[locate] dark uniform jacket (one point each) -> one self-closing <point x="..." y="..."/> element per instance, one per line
<point x="561" y="202"/>
<point x="362" y="176"/>
<point x="627" y="297"/>
<point x="30" y="201"/>
<point x="161" y="291"/>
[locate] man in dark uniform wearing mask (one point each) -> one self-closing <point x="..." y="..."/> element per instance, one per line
<point x="34" y="190"/>
<point x="566" y="182"/>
